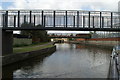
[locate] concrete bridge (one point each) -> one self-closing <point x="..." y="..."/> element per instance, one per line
<point x="71" y="20"/>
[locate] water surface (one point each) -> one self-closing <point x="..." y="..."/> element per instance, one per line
<point x="69" y="61"/>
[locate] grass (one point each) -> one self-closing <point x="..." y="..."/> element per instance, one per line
<point x="21" y="45"/>
<point x="24" y="45"/>
<point x="19" y="42"/>
<point x="33" y="47"/>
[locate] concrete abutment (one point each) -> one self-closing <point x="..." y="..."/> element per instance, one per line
<point x="7" y="42"/>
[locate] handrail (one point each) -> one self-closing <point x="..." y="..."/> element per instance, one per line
<point x="114" y="68"/>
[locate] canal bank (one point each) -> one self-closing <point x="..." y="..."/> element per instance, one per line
<point x="101" y="44"/>
<point x="21" y="55"/>
<point x="109" y="42"/>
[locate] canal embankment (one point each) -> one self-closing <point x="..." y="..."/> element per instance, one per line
<point x="107" y="43"/>
<point x="27" y="52"/>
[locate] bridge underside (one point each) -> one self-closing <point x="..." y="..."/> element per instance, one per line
<point x="61" y="28"/>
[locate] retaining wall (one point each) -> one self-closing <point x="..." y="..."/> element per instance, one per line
<point x="12" y="58"/>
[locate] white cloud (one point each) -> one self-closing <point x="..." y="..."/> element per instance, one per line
<point x="0" y="5"/>
<point x="0" y="8"/>
<point x="110" y="5"/>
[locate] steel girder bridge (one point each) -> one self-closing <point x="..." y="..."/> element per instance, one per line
<point x="71" y="20"/>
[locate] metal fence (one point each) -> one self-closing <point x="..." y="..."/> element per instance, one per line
<point x="104" y="34"/>
<point x="60" y="18"/>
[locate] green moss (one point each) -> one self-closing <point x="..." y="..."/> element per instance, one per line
<point x="30" y="48"/>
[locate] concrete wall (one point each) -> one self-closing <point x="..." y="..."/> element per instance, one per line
<point x="12" y="58"/>
<point x="7" y="42"/>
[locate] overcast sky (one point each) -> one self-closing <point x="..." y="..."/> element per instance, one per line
<point x="110" y="5"/>
<point x="95" y="5"/>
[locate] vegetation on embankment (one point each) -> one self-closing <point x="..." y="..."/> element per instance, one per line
<point x="36" y="35"/>
<point x="20" y="42"/>
<point x="33" y="36"/>
<point x="32" y="47"/>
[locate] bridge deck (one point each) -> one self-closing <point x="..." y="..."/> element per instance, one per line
<point x="62" y="29"/>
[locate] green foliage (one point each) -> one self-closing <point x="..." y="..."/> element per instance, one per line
<point x="26" y="24"/>
<point x="71" y="34"/>
<point x="18" y="42"/>
<point x="37" y="35"/>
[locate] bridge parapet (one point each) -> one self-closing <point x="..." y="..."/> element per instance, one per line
<point x="60" y="20"/>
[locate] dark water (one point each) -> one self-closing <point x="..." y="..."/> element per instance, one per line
<point x="69" y="61"/>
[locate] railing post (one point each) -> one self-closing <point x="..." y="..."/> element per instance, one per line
<point x="64" y="21"/>
<point x="6" y="19"/>
<point x="66" y="17"/>
<point x="42" y="18"/>
<point x="18" y="18"/>
<point x="100" y="18"/>
<point x="89" y="20"/>
<point x="54" y="19"/>
<point x="111" y="20"/>
<point x="77" y="18"/>
<point x="73" y="21"/>
<point x="34" y="20"/>
<point x="14" y="21"/>
<point x="93" y="22"/>
<point x="30" y="16"/>
<point x="3" y="19"/>
<point x="24" y="18"/>
<point x="83" y="21"/>
<point x="102" y="22"/>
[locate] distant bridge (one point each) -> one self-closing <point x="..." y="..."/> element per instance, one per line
<point x="69" y="37"/>
<point x="72" y="20"/>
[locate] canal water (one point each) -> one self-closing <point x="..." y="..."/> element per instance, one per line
<point x="69" y="61"/>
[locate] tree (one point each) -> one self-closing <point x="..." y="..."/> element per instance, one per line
<point x="37" y="35"/>
<point x="71" y="34"/>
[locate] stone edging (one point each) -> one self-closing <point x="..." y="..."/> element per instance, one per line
<point x="12" y="58"/>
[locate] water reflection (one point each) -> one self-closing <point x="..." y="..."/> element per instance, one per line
<point x="69" y="61"/>
<point x="27" y="65"/>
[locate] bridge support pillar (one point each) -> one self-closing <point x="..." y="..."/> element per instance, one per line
<point x="7" y="42"/>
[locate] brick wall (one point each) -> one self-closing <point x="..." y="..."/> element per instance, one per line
<point x="104" y="39"/>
